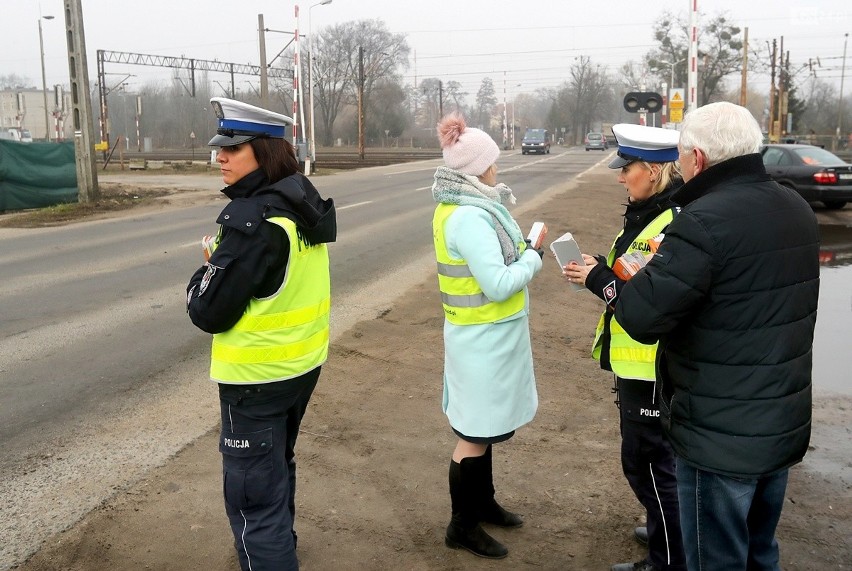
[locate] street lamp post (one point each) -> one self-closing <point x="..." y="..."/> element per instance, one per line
<point x="43" y="79"/>
<point x="313" y="143"/>
<point x="672" y="84"/>
<point x="514" y="99"/>
<point x="840" y="100"/>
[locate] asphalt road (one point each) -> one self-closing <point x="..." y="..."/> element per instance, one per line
<point x="102" y="374"/>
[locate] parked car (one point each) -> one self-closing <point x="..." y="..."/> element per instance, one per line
<point x="815" y="173"/>
<point x="596" y="141"/>
<point x="536" y="141"/>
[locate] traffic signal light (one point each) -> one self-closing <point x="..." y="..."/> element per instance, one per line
<point x="643" y="102"/>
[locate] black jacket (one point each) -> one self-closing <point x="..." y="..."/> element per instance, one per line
<point x="732" y="297"/>
<point x="251" y="259"/>
<point x="637" y="216"/>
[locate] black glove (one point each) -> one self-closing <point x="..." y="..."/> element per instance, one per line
<point x="539" y="251"/>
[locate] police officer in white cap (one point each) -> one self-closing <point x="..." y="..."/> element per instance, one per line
<point x="264" y="294"/>
<point x="646" y="159"/>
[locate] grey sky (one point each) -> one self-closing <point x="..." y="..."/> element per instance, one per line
<point x="533" y="42"/>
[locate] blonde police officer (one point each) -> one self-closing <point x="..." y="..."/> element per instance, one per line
<point x="646" y="161"/>
<point x="264" y="294"/>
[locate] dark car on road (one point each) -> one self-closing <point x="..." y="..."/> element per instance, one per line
<point x="816" y="174"/>
<point x="596" y="141"/>
<point x="536" y="141"/>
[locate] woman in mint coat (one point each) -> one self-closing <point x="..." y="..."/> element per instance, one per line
<point x="484" y="266"/>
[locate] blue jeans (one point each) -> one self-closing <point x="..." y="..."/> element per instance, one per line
<point x="728" y="524"/>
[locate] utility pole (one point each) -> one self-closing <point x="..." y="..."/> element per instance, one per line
<point x="743" y="82"/>
<point x="264" y="80"/>
<point x="361" y="102"/>
<point x="43" y="80"/>
<point x="771" y="126"/>
<point x="840" y="101"/>
<point x="505" y="117"/>
<point x="414" y="93"/>
<point x="81" y="104"/>
<point x="779" y="101"/>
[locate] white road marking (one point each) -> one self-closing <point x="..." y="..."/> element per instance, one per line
<point x="353" y="205"/>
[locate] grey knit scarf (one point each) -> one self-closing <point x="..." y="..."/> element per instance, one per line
<point x="454" y="187"/>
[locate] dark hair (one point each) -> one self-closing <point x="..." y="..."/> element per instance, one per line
<point x="276" y="157"/>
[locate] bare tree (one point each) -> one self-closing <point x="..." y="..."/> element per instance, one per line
<point x="486" y="99"/>
<point x="820" y="112"/>
<point x="336" y="66"/>
<point x="630" y="75"/>
<point x="584" y="98"/>
<point x="430" y="112"/>
<point x="719" y="53"/>
<point x="333" y="75"/>
<point x="388" y="106"/>
<point x="455" y="96"/>
<point x="15" y="81"/>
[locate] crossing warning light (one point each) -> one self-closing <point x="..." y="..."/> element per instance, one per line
<point x="643" y="102"/>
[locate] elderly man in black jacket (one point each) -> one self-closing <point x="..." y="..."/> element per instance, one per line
<point x="731" y="295"/>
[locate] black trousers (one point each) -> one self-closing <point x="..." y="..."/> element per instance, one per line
<point x="260" y="424"/>
<point x="649" y="466"/>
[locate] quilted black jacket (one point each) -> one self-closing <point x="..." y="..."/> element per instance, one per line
<point x="732" y="297"/>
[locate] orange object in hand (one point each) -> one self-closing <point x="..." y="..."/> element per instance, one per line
<point x="207" y="246"/>
<point x="654" y="243"/>
<point x="537" y="235"/>
<point x="626" y="266"/>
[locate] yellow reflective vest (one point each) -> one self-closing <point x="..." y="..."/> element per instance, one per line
<point x="285" y="335"/>
<point x="462" y="298"/>
<point x="628" y="358"/>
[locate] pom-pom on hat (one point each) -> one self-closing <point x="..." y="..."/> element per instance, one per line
<point x="466" y="149"/>
<point x="641" y="143"/>
<point x="239" y="122"/>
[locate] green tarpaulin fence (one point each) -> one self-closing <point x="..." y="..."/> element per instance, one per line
<point x="34" y="175"/>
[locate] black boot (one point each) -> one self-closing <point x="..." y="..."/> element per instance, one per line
<point x="489" y="510"/>
<point x="464" y="531"/>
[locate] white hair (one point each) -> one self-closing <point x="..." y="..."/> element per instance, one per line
<point x="722" y="131"/>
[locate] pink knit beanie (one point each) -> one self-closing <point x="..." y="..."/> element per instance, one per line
<point x="467" y="150"/>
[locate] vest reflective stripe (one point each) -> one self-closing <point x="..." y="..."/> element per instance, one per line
<point x="247" y="355"/>
<point x="284" y="319"/>
<point x="454" y="271"/>
<point x="285" y="335"/>
<point x="463" y="300"/>
<point x="628" y="358"/>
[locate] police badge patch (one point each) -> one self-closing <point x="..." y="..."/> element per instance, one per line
<point x="205" y="281"/>
<point x="609" y="292"/>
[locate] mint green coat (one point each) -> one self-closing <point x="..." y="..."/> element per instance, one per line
<point x="489" y="382"/>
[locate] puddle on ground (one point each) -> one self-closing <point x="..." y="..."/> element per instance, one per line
<point x="831" y="437"/>
<point x="832" y="371"/>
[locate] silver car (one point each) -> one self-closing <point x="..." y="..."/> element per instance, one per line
<point x="596" y="141"/>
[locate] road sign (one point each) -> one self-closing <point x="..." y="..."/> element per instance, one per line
<point x="675" y="115"/>
<point x="676" y="99"/>
<point x="102" y="146"/>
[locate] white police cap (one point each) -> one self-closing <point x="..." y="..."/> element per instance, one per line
<point x="641" y="143"/>
<point x="240" y="122"/>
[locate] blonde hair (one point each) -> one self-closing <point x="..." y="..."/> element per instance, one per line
<point x="668" y="172"/>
